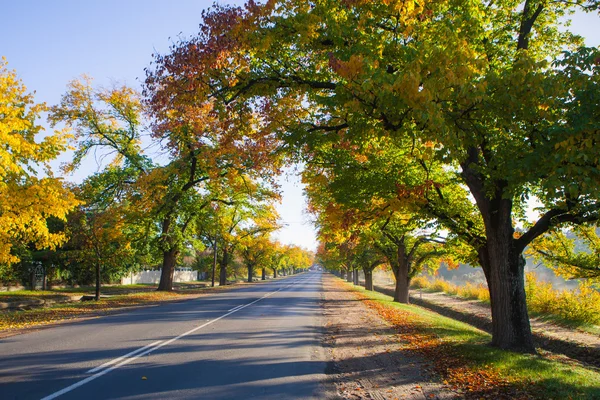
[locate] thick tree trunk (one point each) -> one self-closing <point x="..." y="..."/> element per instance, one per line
<point x="502" y="261"/>
<point x="504" y="271"/>
<point x="98" y="277"/>
<point x="402" y="284"/>
<point x="274" y="273"/>
<point x="368" y="278"/>
<point x="355" y="275"/>
<point x="223" y="268"/>
<point x="342" y="274"/>
<point x="402" y="274"/>
<point x="264" y="274"/>
<point x="169" y="258"/>
<point x="250" y="268"/>
<point x="168" y="269"/>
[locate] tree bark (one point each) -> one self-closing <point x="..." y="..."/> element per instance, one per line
<point x="250" y="268"/>
<point x="368" y="278"/>
<point x="98" y="281"/>
<point x="502" y="261"/>
<point x="214" y="266"/>
<point x="402" y="275"/>
<point x="168" y="269"/>
<point x="402" y="284"/>
<point x="342" y="273"/>
<point x="169" y="257"/>
<point x="355" y="275"/>
<point x="349" y="277"/>
<point x="504" y="271"/>
<point x="223" y="268"/>
<point x="264" y="274"/>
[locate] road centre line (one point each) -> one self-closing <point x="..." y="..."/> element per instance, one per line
<point x="116" y="360"/>
<point x="134" y="355"/>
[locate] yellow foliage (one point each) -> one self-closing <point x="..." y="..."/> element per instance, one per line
<point x="580" y="306"/>
<point x="27" y="201"/>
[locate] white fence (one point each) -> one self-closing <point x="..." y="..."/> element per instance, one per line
<point x="154" y="277"/>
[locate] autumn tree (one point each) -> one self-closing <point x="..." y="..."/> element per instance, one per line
<point x="29" y="192"/>
<point x="490" y="85"/>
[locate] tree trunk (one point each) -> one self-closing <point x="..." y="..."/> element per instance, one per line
<point x="168" y="269"/>
<point x="214" y="266"/>
<point x="356" y="277"/>
<point x="342" y="273"/>
<point x="169" y="257"/>
<point x="401" y="268"/>
<point x="402" y="284"/>
<point x="250" y="268"/>
<point x="504" y="271"/>
<point x="349" y="277"/>
<point x="368" y="278"/>
<point x="502" y="261"/>
<point x="223" y="268"/>
<point x="264" y="274"/>
<point x="98" y="281"/>
<point x="274" y="273"/>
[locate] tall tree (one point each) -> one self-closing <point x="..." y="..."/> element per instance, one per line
<point x="473" y="79"/>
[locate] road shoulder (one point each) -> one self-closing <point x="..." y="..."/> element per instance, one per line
<point x="366" y="356"/>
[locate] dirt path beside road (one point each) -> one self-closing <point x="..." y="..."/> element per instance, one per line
<point x="368" y="361"/>
<point x="581" y="346"/>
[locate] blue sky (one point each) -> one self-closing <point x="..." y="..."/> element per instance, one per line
<point x="50" y="43"/>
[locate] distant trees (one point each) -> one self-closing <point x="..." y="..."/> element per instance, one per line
<point x="572" y="254"/>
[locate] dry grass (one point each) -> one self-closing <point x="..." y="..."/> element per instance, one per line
<point x="579" y="307"/>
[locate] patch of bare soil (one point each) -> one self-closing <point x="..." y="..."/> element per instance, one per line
<point x="367" y="359"/>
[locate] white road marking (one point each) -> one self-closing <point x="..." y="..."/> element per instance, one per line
<point x="116" y="360"/>
<point x="134" y="355"/>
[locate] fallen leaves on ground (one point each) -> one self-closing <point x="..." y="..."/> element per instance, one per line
<point x="42" y="316"/>
<point x="470" y="381"/>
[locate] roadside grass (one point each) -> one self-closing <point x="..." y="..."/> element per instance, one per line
<point x="19" y="295"/>
<point x="10" y="320"/>
<point x="466" y="362"/>
<point x="120" y="297"/>
<point x="572" y="308"/>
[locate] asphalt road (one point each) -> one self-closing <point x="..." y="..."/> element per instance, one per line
<point x="257" y="341"/>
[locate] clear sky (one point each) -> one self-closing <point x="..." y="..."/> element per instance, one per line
<point x="50" y="43"/>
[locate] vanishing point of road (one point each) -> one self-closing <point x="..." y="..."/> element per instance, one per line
<point x="256" y="341"/>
